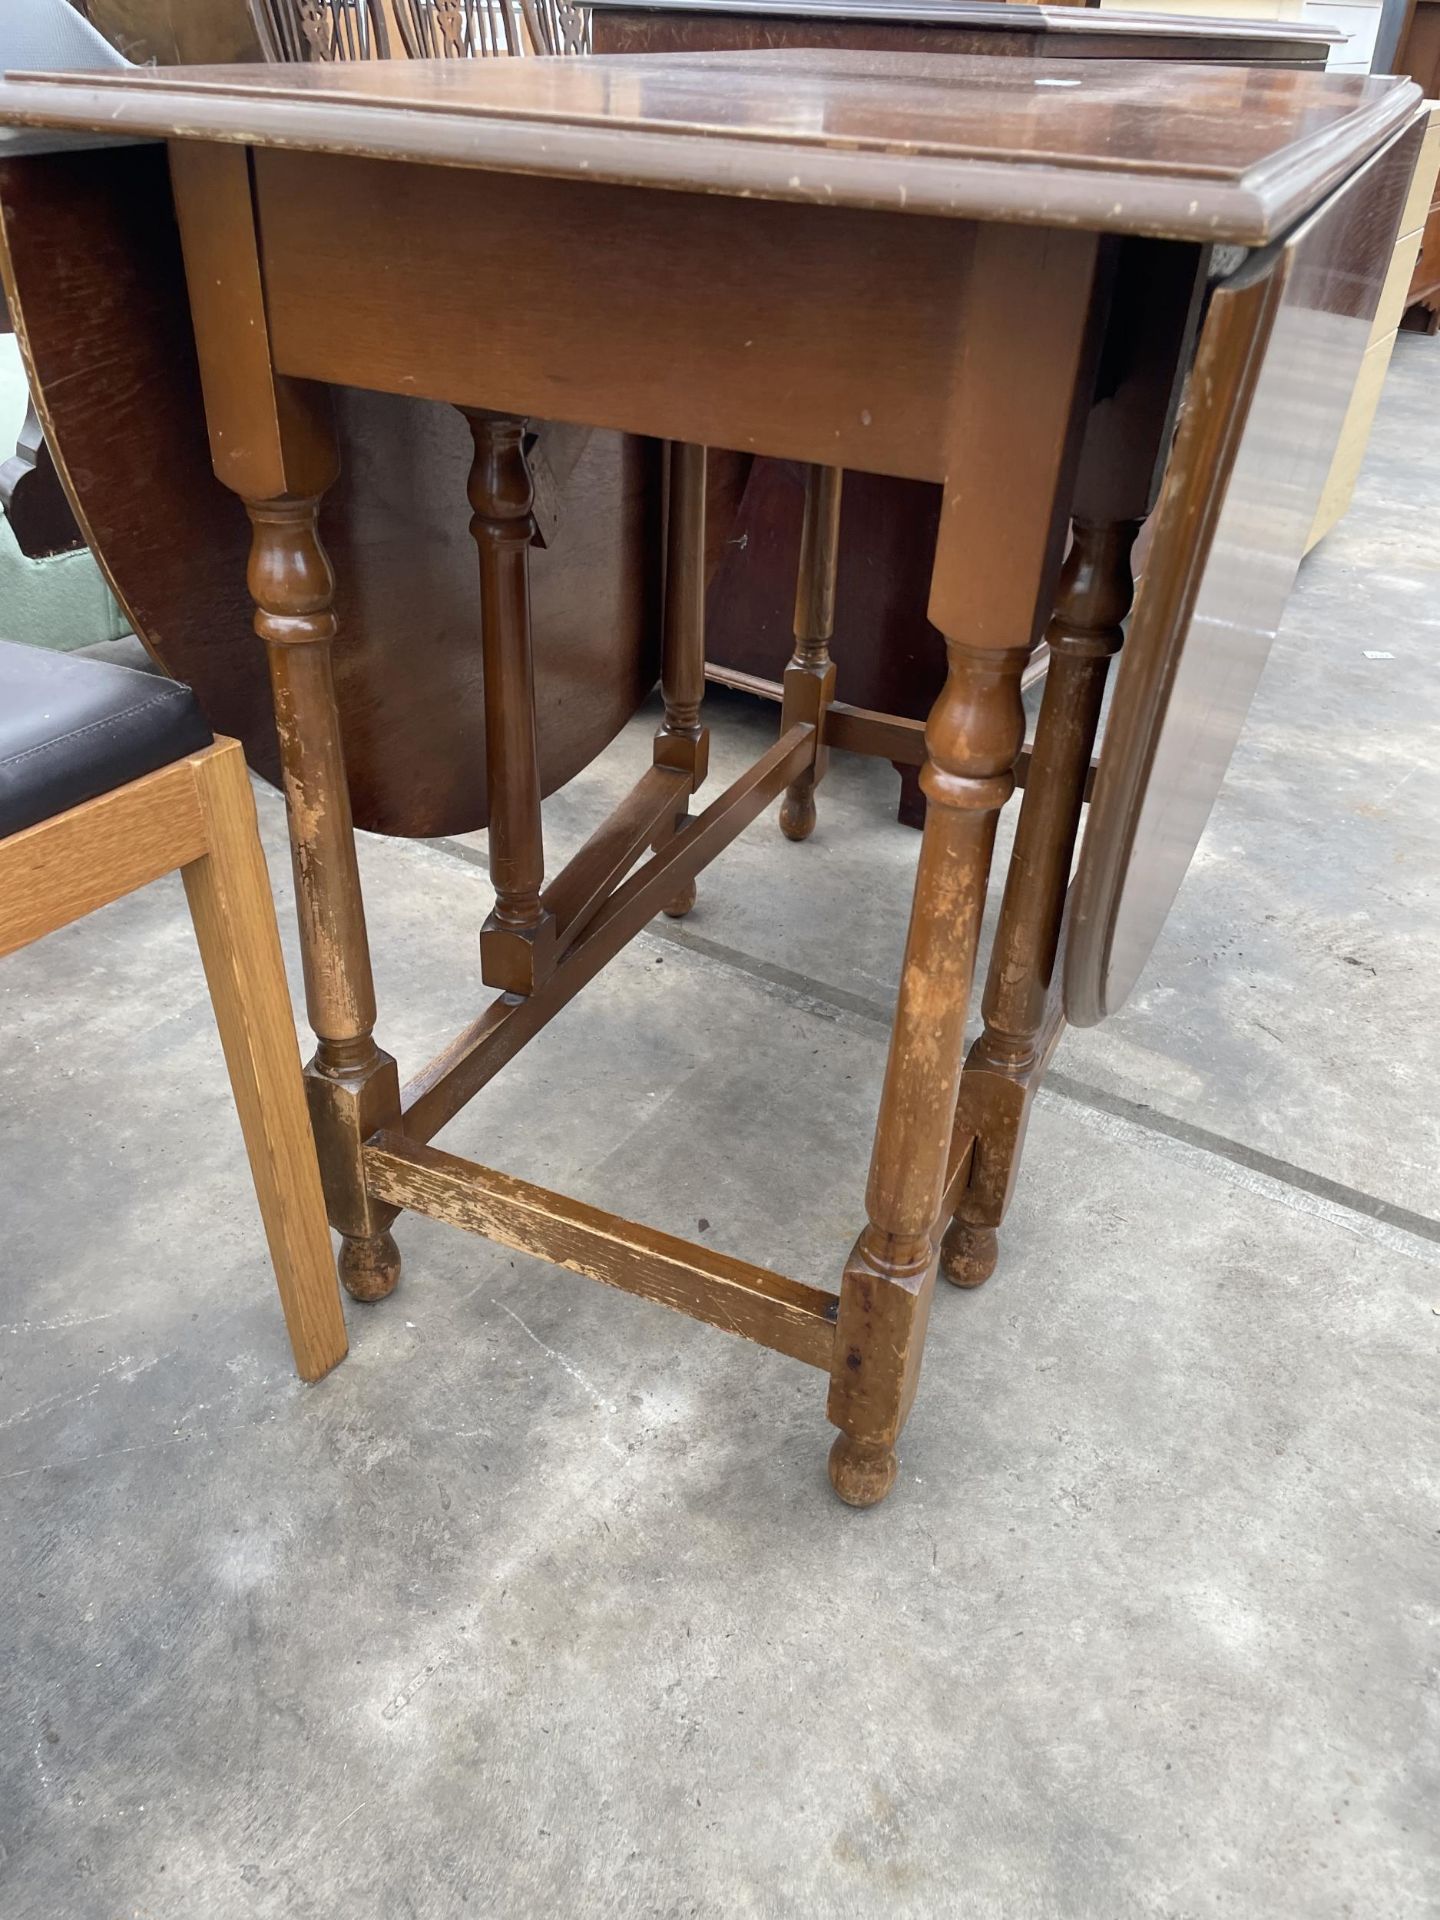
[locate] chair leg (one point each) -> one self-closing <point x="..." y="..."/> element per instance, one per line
<point x="230" y="903"/>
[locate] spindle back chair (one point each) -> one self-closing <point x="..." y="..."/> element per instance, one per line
<point x="306" y="30"/>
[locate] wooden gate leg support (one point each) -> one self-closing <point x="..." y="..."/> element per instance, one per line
<point x="1158" y="292"/>
<point x="973" y="739"/>
<point x="810" y="676"/>
<point x="517" y="942"/>
<point x="1021" y="1018"/>
<point x="681" y="740"/>
<point x="352" y="1086"/>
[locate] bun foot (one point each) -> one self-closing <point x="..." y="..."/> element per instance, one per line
<point x="968" y="1254"/>
<point x="861" y="1473"/>
<point x="369" y="1265"/>
<point x="797" y="813"/>
<point x="677" y="907"/>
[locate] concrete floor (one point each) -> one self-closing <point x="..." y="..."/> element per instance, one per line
<point x="541" y="1604"/>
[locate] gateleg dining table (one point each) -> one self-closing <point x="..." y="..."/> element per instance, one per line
<point x="1040" y="285"/>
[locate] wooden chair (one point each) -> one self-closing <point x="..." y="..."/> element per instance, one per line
<point x="428" y="29"/>
<point x="557" y="26"/>
<point x="302" y="30"/>
<point x="463" y="29"/>
<point x="108" y="779"/>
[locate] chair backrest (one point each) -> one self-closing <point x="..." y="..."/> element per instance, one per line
<point x="461" y="29"/>
<point x="428" y="29"/>
<point x="321" y="29"/>
<point x="559" y="26"/>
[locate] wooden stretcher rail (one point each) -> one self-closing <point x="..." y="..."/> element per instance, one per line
<point x="884" y="736"/>
<point x="731" y="1294"/>
<point x="456" y="1075"/>
<point x="957" y="1174"/>
<point x="881" y="736"/>
<point x="582" y="887"/>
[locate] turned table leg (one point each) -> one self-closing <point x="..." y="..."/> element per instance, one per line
<point x="681" y="740"/>
<point x="1095" y="594"/>
<point x="272" y="443"/>
<point x="1037" y="322"/>
<point x="973" y="738"/>
<point x="517" y="942"/>
<point x="810" y="676"/>
<point x="353" y="1087"/>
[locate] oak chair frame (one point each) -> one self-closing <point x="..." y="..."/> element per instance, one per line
<point x="198" y="814"/>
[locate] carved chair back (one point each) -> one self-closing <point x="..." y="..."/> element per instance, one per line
<point x="559" y="26"/>
<point x="461" y="29"/>
<point x="302" y="30"/>
<point x="470" y="29"/>
<point x="291" y="30"/>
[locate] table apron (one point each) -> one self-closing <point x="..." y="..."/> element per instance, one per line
<point x="815" y="333"/>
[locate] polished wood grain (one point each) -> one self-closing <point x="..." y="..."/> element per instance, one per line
<point x="1277" y="360"/>
<point x="198" y="814"/>
<point x="791" y="366"/>
<point x="1214" y="153"/>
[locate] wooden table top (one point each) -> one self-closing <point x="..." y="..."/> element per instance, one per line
<point x="1006" y="16"/>
<point x="1227" y="154"/>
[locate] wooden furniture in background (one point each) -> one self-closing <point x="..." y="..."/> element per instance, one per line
<point x="886" y="654"/>
<point x="301" y="30"/>
<point x="1419" y="227"/>
<point x="321" y="29"/>
<point x="108" y="779"/>
<point x="461" y="30"/>
<point x="1419" y="56"/>
<point x="1017" y="30"/>
<point x="988" y="230"/>
<point x="174" y="32"/>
